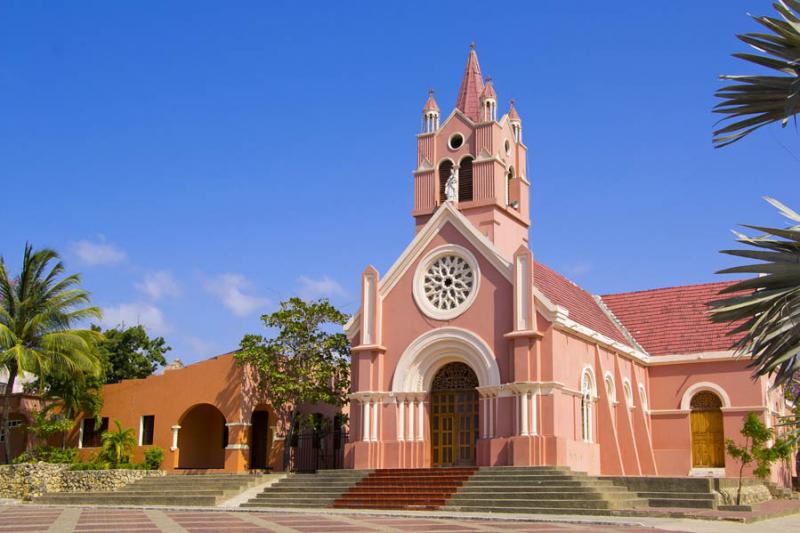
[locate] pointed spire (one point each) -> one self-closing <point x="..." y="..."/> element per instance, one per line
<point x="488" y="89"/>
<point x="471" y="87"/>
<point x="431" y="104"/>
<point x="512" y="113"/>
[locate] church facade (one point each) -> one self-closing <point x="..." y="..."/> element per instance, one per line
<point x="468" y="351"/>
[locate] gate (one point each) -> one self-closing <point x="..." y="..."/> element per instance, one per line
<point x="310" y="451"/>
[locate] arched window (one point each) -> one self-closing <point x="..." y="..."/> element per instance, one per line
<point x="643" y="398"/>
<point x="465" y="180"/>
<point x="445" y="168"/>
<point x="626" y="389"/>
<point x="611" y="390"/>
<point x="587" y="390"/>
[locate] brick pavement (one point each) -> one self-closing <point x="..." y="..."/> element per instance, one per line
<point x="31" y="518"/>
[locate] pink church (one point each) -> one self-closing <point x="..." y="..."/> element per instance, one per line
<point x="470" y="352"/>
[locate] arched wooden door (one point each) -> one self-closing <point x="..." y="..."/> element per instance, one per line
<point x="454" y="416"/>
<point x="708" y="437"/>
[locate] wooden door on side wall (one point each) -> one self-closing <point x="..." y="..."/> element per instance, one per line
<point x="454" y="416"/>
<point x="708" y="436"/>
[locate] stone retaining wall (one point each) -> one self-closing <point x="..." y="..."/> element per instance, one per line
<point x="26" y="481"/>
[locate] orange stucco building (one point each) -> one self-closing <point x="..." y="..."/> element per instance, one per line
<point x="206" y="416"/>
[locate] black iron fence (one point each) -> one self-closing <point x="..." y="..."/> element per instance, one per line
<point x="309" y="451"/>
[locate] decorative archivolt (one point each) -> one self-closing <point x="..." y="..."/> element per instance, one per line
<point x="432" y="350"/>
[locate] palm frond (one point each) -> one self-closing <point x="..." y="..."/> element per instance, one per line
<point x="765" y="310"/>
<point x="751" y="102"/>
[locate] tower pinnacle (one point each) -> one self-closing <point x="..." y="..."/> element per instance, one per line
<point x="471" y="87"/>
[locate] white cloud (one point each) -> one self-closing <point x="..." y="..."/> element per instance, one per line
<point x="231" y="290"/>
<point x="317" y="288"/>
<point x="98" y="253"/>
<point x="200" y="347"/>
<point x="134" y="314"/>
<point x="579" y="268"/>
<point x="160" y="284"/>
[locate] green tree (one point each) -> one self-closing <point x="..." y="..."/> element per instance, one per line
<point x="39" y="311"/>
<point x="305" y="362"/>
<point x="118" y="445"/>
<point x="129" y="353"/>
<point x="752" y="101"/>
<point x="766" y="308"/>
<point x="757" y="449"/>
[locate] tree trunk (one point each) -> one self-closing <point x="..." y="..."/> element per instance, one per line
<point x="12" y="376"/>
<point x="739" y="489"/>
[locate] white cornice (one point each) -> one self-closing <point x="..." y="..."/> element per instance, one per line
<point x="699" y="357"/>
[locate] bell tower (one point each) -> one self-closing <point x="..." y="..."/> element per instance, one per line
<point x="485" y="156"/>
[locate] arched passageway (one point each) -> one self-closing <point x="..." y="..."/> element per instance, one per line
<point x="708" y="436"/>
<point x="454" y="415"/>
<point x="202" y="438"/>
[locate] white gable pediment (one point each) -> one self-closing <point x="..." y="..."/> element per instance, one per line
<point x="447" y="213"/>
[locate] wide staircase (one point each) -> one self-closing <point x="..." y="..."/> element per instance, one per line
<point x="489" y="489"/>
<point x="549" y="490"/>
<point x="186" y="489"/>
<point x="308" y="490"/>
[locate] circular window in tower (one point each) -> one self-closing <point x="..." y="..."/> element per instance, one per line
<point x="446" y="282"/>
<point x="455" y="142"/>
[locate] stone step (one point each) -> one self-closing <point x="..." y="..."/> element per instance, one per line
<point x="678" y="495"/>
<point x="112" y="498"/>
<point x="536" y="496"/>
<point x="693" y="503"/>
<point x="539" y="510"/>
<point x="468" y="488"/>
<point x="491" y="502"/>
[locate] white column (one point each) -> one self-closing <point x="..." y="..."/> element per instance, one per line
<point x="534" y="412"/>
<point x="401" y="419"/>
<point x="175" y="429"/>
<point x="421" y="420"/>
<point x="484" y="417"/>
<point x="524" y="414"/>
<point x="410" y="434"/>
<point x="365" y="419"/>
<point x="375" y="406"/>
<point x="516" y="418"/>
<point x="492" y="407"/>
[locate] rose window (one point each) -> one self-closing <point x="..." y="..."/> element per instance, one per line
<point x="448" y="282"/>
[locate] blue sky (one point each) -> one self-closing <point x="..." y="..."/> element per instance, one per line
<point x="198" y="162"/>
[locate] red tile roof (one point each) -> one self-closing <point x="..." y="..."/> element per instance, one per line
<point x="673" y="320"/>
<point x="582" y="306"/>
<point x="471" y="88"/>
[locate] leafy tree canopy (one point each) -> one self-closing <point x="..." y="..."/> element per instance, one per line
<point x="129" y="353"/>
<point x="307" y="361"/>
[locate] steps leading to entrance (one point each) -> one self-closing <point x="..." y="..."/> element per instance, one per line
<point x="308" y="490"/>
<point x="541" y="490"/>
<point x="184" y="489"/>
<point x="423" y="488"/>
<point x="674" y="492"/>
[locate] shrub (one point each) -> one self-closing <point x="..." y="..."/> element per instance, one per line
<point x="153" y="457"/>
<point x="48" y="454"/>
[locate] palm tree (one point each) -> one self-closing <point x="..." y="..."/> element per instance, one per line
<point x="39" y="312"/>
<point x="117" y="445"/>
<point x="752" y="102"/>
<point x="766" y="308"/>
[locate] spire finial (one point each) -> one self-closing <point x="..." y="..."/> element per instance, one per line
<point x="472" y="45"/>
<point x="430" y="92"/>
<point x="488" y="79"/>
<point x="513" y="101"/>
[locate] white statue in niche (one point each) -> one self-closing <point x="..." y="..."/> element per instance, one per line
<point x="451" y="186"/>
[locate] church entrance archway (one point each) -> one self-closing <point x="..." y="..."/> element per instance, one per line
<point x="454" y="416"/>
<point x="708" y="437"/>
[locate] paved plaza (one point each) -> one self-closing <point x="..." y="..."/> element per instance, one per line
<point x="28" y="518"/>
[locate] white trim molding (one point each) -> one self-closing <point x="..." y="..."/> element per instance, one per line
<point x="430" y="351"/>
<point x="686" y="399"/>
<point x="422" y="301"/>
